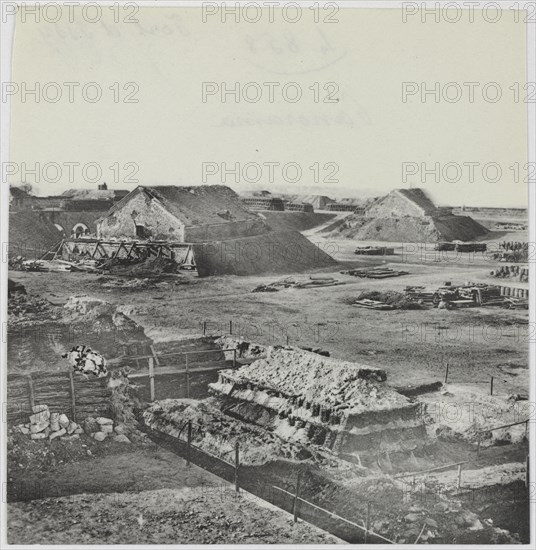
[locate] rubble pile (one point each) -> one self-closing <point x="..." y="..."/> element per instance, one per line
<point x="245" y="350"/>
<point x="318" y="401"/>
<point x="44" y="424"/>
<point x="294" y="372"/>
<point x="398" y="300"/>
<point x="149" y="267"/>
<point x="26" y="307"/>
<point x="101" y="428"/>
<point x="314" y="281"/>
<point x="217" y="433"/>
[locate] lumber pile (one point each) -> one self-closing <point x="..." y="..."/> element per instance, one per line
<point x="375" y="273"/>
<point x="374" y="251"/>
<point x="385" y="300"/>
<point x="372" y="304"/>
<point x="314" y="281"/>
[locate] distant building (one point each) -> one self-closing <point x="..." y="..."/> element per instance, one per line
<point x="299" y="207"/>
<point x="74" y="212"/>
<point x="264" y="203"/>
<point x="180" y="214"/>
<point x="345" y="207"/>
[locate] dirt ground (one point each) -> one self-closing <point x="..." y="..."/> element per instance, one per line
<point x="153" y="498"/>
<point x="207" y="515"/>
<point x="120" y="494"/>
<point x="412" y="346"/>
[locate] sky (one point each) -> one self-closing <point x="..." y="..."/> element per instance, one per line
<point x="350" y="132"/>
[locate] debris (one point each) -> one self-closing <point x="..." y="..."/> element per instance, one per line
<point x="86" y="361"/>
<point x="386" y="300"/>
<point x="459" y="246"/>
<point x="99" y="436"/>
<point x="314" y="281"/>
<point x="372" y="304"/>
<point x="374" y="251"/>
<point x="375" y="273"/>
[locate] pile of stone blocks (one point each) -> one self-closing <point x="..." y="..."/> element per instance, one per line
<point x="101" y="428"/>
<point x="44" y="424"/>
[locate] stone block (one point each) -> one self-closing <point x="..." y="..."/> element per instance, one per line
<point x="59" y="433"/>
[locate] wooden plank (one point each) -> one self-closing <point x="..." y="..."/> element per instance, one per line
<point x="95" y="251"/>
<point x="156" y="359"/>
<point x="151" y="376"/>
<point x="73" y="395"/>
<point x="187" y="376"/>
<point x="179" y="369"/>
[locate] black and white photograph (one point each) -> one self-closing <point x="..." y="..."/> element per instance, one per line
<point x="268" y="273"/>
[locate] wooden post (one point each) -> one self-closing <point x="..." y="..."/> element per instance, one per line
<point x="230" y="327"/>
<point x="459" y="484"/>
<point x="32" y="395"/>
<point x="204" y="328"/>
<point x="187" y="376"/>
<point x="237" y="465"/>
<point x="188" y="454"/>
<point x="234" y="357"/>
<point x="73" y="395"/>
<point x="367" y="522"/>
<point x="491" y="386"/>
<point x="446" y="373"/>
<point x="296" y="497"/>
<point x="287" y="339"/>
<point x="478" y="445"/>
<point x="153" y="353"/>
<point x="151" y="376"/>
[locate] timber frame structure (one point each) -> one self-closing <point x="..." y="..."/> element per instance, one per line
<point x="100" y="249"/>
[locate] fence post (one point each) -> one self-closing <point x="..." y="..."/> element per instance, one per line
<point x="296" y="497"/>
<point x="491" y="386"/>
<point x="204" y="328"/>
<point x="367" y="522"/>
<point x="32" y="395"/>
<point x="189" y="439"/>
<point x="234" y="357"/>
<point x="187" y="376"/>
<point x="151" y="376"/>
<point x="446" y="373"/>
<point x="153" y="353"/>
<point x="478" y="445"/>
<point x="459" y="475"/>
<point x="230" y="327"/>
<point x="73" y="395"/>
<point x="237" y="465"/>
